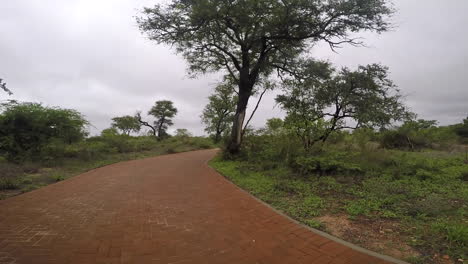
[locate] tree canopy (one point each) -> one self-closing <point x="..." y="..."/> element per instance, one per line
<point x="218" y="113"/>
<point x="320" y="100"/>
<point x="126" y="124"/>
<point x="249" y="39"/>
<point x="163" y="111"/>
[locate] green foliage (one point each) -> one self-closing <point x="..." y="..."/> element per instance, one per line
<point x="270" y="150"/>
<point x="322" y="100"/>
<point x="219" y="112"/>
<point x="326" y="164"/>
<point x="248" y="40"/>
<point x="417" y="135"/>
<point x="208" y="41"/>
<point x="310" y="206"/>
<point x="109" y="132"/>
<point x="27" y="128"/>
<point x="462" y="130"/>
<point x="8" y="183"/>
<point x="163" y="111"/>
<point x="362" y="180"/>
<point x="127" y="124"/>
<point x="313" y="223"/>
<point x="448" y="236"/>
<point x="274" y="126"/>
<point x="182" y="133"/>
<point x="57" y="177"/>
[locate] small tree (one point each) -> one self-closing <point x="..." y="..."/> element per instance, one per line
<point x="218" y="113"/>
<point x="126" y="124"/>
<point x="320" y="100"/>
<point x="462" y="129"/>
<point x="250" y="39"/>
<point x="183" y="133"/>
<point x="109" y="132"/>
<point x="163" y="111"/>
<point x="274" y="126"/>
<point x="4" y="87"/>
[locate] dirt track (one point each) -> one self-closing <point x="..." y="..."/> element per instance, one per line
<point x="167" y="209"/>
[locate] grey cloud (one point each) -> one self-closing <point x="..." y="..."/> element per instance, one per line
<point x="90" y="56"/>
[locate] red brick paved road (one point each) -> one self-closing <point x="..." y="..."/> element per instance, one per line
<point x="167" y="209"/>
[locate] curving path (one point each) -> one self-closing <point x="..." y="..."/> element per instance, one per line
<point x="166" y="209"/>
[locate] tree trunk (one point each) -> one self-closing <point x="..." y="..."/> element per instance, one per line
<point x="245" y="90"/>
<point x="160" y="128"/>
<point x="217" y="137"/>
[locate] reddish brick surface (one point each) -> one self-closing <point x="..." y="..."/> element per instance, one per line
<point x="167" y="209"/>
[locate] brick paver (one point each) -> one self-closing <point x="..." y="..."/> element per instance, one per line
<point x="167" y="209"/>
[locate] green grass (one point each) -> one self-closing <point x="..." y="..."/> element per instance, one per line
<point x="294" y="196"/>
<point x="426" y="193"/>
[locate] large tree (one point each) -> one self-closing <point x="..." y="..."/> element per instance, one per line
<point x="126" y="124"/>
<point x="250" y="39"/>
<point x="218" y="113"/>
<point x="163" y="111"/>
<point x="321" y="100"/>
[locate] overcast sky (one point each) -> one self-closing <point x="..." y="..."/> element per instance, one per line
<point x="89" y="55"/>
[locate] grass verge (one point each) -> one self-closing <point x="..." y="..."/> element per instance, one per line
<point x="412" y="206"/>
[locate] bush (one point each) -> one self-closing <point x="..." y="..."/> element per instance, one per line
<point x="8" y="183"/>
<point x="454" y="238"/>
<point x="27" y="128"/>
<point x="328" y="163"/>
<point x="417" y="135"/>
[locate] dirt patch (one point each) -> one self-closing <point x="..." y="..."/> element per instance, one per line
<point x="376" y="235"/>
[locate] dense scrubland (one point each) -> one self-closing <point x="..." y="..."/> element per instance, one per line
<point x="401" y="191"/>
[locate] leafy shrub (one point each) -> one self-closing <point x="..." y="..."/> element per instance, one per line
<point x="454" y="235"/>
<point x="292" y="187"/>
<point x="8" y="183"/>
<point x="28" y="127"/>
<point x="313" y="223"/>
<point x="462" y="130"/>
<point x="308" y="207"/>
<point x="326" y="164"/>
<point x="89" y="150"/>
<point x="57" y="177"/>
<point x="416" y="135"/>
<point x="281" y="147"/>
<point x="432" y="205"/>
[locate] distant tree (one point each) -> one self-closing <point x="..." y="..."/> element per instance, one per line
<point x="320" y="100"/>
<point x="109" y="132"/>
<point x="250" y="39"/>
<point x="163" y="111"/>
<point x="462" y="129"/>
<point x="413" y="135"/>
<point x="27" y="127"/>
<point x="126" y="124"/>
<point x="4" y="87"/>
<point x="274" y="125"/>
<point x="218" y="113"/>
<point x="183" y="133"/>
